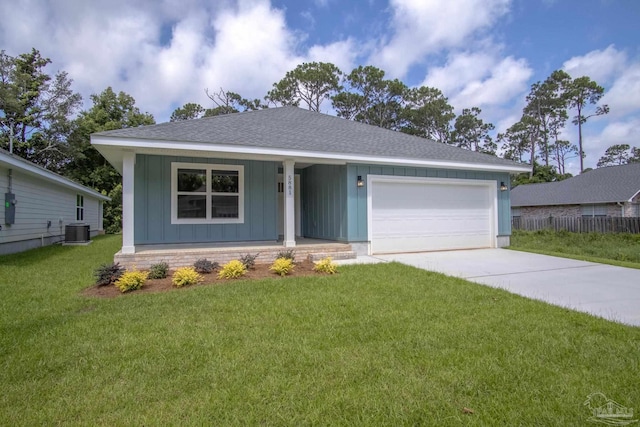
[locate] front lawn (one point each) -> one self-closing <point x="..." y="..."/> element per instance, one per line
<point x="379" y="344"/>
<point x="620" y="249"/>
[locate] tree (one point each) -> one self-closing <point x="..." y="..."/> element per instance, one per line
<point x="230" y="102"/>
<point x="35" y="109"/>
<point x="546" y="104"/>
<point x="516" y="141"/>
<point x="368" y="98"/>
<point x="541" y="173"/>
<point x="472" y="133"/>
<point x="581" y="92"/>
<point x="188" y="111"/>
<point x="561" y="151"/>
<point x="428" y="114"/>
<point x="109" y="111"/>
<point x="309" y="83"/>
<point x="619" y="154"/>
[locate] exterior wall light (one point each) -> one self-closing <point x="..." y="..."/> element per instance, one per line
<point x="360" y="182"/>
<point x="503" y="186"/>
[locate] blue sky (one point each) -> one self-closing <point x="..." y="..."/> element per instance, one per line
<point x="483" y="53"/>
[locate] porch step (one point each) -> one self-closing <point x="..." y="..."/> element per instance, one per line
<point x="335" y="255"/>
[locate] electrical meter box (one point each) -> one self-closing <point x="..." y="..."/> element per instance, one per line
<point x="9" y="208"/>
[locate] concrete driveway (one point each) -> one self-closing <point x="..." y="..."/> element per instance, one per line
<point x="603" y="290"/>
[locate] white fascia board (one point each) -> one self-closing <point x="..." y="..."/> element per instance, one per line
<point x="37" y="171"/>
<point x="634" y="196"/>
<point x="298" y="155"/>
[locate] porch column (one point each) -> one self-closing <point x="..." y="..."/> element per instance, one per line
<point x="128" y="166"/>
<point x="289" y="204"/>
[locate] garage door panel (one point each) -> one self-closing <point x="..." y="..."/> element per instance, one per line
<point x="413" y="217"/>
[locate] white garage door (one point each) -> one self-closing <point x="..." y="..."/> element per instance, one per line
<point x="418" y="215"/>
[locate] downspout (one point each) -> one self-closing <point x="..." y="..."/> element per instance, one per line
<point x="621" y="208"/>
<point x="10" y="181"/>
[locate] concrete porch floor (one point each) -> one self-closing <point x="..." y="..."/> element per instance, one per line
<point x="181" y="255"/>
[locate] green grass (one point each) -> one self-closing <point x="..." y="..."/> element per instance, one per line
<point x="621" y="249"/>
<point x="381" y="344"/>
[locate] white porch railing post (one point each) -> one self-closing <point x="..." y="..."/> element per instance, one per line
<point x="289" y="204"/>
<point x="128" y="168"/>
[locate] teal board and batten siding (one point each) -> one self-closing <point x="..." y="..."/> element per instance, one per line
<point x="153" y="204"/>
<point x="324" y="202"/>
<point x="357" y="196"/>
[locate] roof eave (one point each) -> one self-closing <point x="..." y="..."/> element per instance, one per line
<point x="12" y="162"/>
<point x="112" y="148"/>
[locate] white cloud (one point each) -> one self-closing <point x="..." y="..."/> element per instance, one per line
<point x="342" y="54"/>
<point x="599" y="65"/>
<point x="480" y="79"/>
<point x="423" y="27"/>
<point x="624" y="95"/>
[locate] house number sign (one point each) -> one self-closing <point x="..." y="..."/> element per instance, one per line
<point x="289" y="185"/>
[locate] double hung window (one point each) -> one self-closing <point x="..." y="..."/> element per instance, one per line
<point x="204" y="193"/>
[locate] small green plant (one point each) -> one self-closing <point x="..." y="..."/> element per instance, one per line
<point x="131" y="280"/>
<point x="204" y="266"/>
<point x="108" y="274"/>
<point x="288" y="254"/>
<point x="232" y="270"/>
<point x="326" y="265"/>
<point x="249" y="260"/>
<point x="159" y="271"/>
<point x="282" y="266"/>
<point x="186" y="276"/>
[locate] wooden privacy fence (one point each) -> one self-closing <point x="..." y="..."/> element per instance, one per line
<point x="579" y="224"/>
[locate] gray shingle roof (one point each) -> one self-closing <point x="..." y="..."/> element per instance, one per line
<point x="603" y="185"/>
<point x="298" y="129"/>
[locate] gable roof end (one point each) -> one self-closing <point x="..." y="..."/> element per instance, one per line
<point x="12" y="161"/>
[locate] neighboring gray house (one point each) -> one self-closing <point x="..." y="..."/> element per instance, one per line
<point x="288" y="173"/>
<point x="38" y="204"/>
<point x="612" y="191"/>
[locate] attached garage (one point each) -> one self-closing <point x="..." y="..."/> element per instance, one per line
<point x="430" y="214"/>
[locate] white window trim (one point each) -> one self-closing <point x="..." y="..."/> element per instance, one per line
<point x="79" y="207"/>
<point x="208" y="167"/>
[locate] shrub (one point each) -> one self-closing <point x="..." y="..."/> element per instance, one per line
<point x="204" y="266"/>
<point x="131" y="280"/>
<point x="249" y="260"/>
<point x="326" y="265"/>
<point x="107" y="274"/>
<point x="159" y="271"/>
<point x="282" y="266"/>
<point x="288" y="254"/>
<point x="186" y="276"/>
<point x="232" y="270"/>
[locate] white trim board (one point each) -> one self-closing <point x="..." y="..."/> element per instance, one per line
<point x="142" y="146"/>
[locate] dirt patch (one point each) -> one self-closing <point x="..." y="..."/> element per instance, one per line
<point x="261" y="271"/>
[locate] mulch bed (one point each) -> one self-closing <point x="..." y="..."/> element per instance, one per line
<point x="261" y="271"/>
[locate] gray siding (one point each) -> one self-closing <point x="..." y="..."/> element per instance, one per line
<point x="40" y="201"/>
<point x="324" y="202"/>
<point x="153" y="204"/>
<point x="357" y="196"/>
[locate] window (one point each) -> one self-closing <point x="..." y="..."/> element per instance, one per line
<point x="515" y="212"/>
<point x="209" y="194"/>
<point x="79" y="207"/>
<point x="594" y="210"/>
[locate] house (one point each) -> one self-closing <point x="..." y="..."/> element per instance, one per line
<point x="39" y="204"/>
<point x="284" y="175"/>
<point x="612" y="191"/>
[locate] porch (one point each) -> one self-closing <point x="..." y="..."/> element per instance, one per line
<point x="185" y="254"/>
